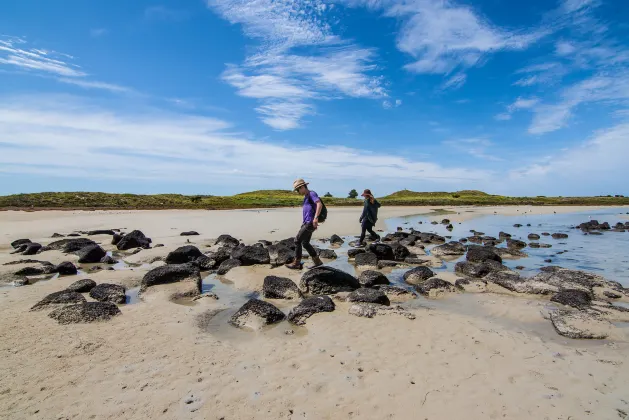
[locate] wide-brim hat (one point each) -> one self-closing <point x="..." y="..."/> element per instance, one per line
<point x="298" y="183"/>
<point x="366" y="193"/>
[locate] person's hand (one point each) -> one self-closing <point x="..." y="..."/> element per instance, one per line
<point x="360" y="221"/>
<point x="315" y="223"/>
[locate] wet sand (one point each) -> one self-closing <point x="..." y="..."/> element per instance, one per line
<point x="477" y="356"/>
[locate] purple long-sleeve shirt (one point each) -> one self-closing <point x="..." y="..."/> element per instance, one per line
<point x="310" y="206"/>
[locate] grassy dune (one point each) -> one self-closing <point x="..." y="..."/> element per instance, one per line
<point x="275" y="198"/>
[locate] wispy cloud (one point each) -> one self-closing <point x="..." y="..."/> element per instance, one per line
<point x="90" y="84"/>
<point x="298" y="60"/>
<point x="476" y="147"/>
<point x="163" y="13"/>
<point x="520" y="103"/>
<point x="98" y="32"/>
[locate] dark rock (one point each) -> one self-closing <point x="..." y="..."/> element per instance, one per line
<point x="74" y="234"/>
<point x="328" y="280"/>
<point x="82" y="286"/>
<point x="434" y="283"/>
<point x="108" y="260"/>
<point x="545" y="234"/>
<point x="70" y="245"/>
<point x="32" y="248"/>
<point x="520" y="267"/>
<point x="366" y="259"/>
<point x="336" y="239"/>
<point x="265" y="243"/>
<point x="308" y="307"/>
<point x="227" y="240"/>
<point x="370" y="278"/>
<point x="351" y="253"/>
<point x="221" y="254"/>
<point x="448" y="250"/>
<point x="172" y="273"/>
<point x="19" y="242"/>
<point x="548" y="260"/>
<point x="85" y="312"/>
<point x="612" y="295"/>
<point x="517" y="225"/>
<point x="66" y="268"/>
<point x="116" y="238"/>
<point x="95" y="268"/>
<point x="575" y="298"/>
<point x="63" y="297"/>
<point x="463" y="240"/>
<point x="228" y="265"/>
<point x="250" y="255"/>
<point x="478" y="270"/>
<point x="280" y="254"/>
<point x="534" y="245"/>
<point x="515" y="283"/>
<point x="382" y="251"/>
<point x="368" y="296"/>
<point x="91" y="254"/>
<point x="400" y="252"/>
<point x="280" y="288"/>
<point x="255" y="314"/>
<point x="101" y="232"/>
<point x="450" y="227"/>
<point x="504" y="235"/>
<point x="183" y="254"/>
<point x="394" y="292"/>
<point x="579" y="324"/>
<point x="205" y="263"/>
<point x="445" y="222"/>
<point x="106" y="292"/>
<point x="418" y="275"/>
<point x="57" y="235"/>
<point x="559" y="235"/>
<point x="328" y="254"/>
<point x="134" y="239"/>
<point x="510" y="252"/>
<point x="480" y="254"/>
<point x="431" y="238"/>
<point x="189" y="233"/>
<point x="475" y="239"/>
<point x="533" y="236"/>
<point x="515" y="244"/>
<point x="158" y="245"/>
<point x="459" y="283"/>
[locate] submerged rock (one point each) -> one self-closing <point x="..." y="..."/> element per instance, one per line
<point x="308" y="307"/>
<point x="280" y="288"/>
<point x="82" y="286"/>
<point x="255" y="314"/>
<point x="327" y="280"/>
<point x="580" y="324"/>
<point x="371" y="278"/>
<point x="85" y="312"/>
<point x="183" y="254"/>
<point x="370" y="310"/>
<point x="368" y="296"/>
<point x="228" y="265"/>
<point x="108" y="260"/>
<point x="559" y="235"/>
<point x="418" y="275"/>
<point x="106" y="292"/>
<point x="251" y="255"/>
<point x="63" y="297"/>
<point x="510" y="253"/>
<point x="91" y="254"/>
<point x="515" y="244"/>
<point x="533" y="236"/>
<point x="478" y="270"/>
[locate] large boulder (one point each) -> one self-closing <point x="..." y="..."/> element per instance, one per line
<point x="255" y="314"/>
<point x="32" y="248"/>
<point x="382" y="251"/>
<point x="481" y="254"/>
<point x="515" y="244"/>
<point x="336" y="239"/>
<point x="576" y="298"/>
<point x="205" y="263"/>
<point x="351" y="253"/>
<point x="400" y="252"/>
<point x="280" y="288"/>
<point x="308" y="307"/>
<point x="280" y="254"/>
<point x="91" y="254"/>
<point x="434" y="284"/>
<point x="418" y="275"/>
<point x="82" y="286"/>
<point x="134" y="239"/>
<point x="327" y="280"/>
<point x="228" y="265"/>
<point x="85" y="312"/>
<point x="106" y="292"/>
<point x="221" y="254"/>
<point x="116" y="238"/>
<point x="370" y="278"/>
<point x="251" y="255"/>
<point x="70" y="245"/>
<point x="448" y="250"/>
<point x="227" y="240"/>
<point x="366" y="260"/>
<point x="66" y="268"/>
<point x="19" y="242"/>
<point x="183" y="254"/>
<point x="368" y="296"/>
<point x="64" y="297"/>
<point x="172" y="273"/>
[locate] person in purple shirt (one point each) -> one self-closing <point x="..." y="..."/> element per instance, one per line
<point x="311" y="210"/>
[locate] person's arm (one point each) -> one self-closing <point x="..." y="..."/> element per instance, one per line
<point x="376" y="203"/>
<point x="364" y="213"/>
<point x="315" y="222"/>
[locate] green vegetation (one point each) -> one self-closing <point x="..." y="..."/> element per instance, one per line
<point x="352" y="194"/>
<point x="277" y="198"/>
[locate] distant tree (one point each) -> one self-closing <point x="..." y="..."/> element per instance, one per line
<point x="353" y="194"/>
<point x="328" y="194"/>
<point x="196" y="198"/>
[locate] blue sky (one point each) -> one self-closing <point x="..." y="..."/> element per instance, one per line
<point x="219" y="97"/>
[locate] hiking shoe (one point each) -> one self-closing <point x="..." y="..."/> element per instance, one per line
<point x="316" y="262"/>
<point x="359" y="245"/>
<point x="295" y="265"/>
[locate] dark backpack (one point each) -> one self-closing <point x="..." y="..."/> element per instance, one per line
<point x="324" y="210"/>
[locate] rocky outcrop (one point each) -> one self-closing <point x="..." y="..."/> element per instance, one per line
<point x="327" y="280"/>
<point x="576" y="298"/>
<point x="251" y="255"/>
<point x="91" y="254"/>
<point x="85" y="312"/>
<point x="134" y="239"/>
<point x="370" y="310"/>
<point x="255" y="314"/>
<point x="82" y="286"/>
<point x="368" y="296"/>
<point x="183" y="255"/>
<point x="370" y="278"/>
<point x="308" y="307"/>
<point x="228" y="265"/>
<point x="434" y="283"/>
<point x="280" y="288"/>
<point x="448" y="250"/>
<point x="418" y="275"/>
<point x="172" y="273"/>
<point x="580" y="324"/>
<point x="106" y="292"/>
<point x="64" y="297"/>
<point x="517" y="284"/>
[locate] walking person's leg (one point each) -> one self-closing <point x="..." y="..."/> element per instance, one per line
<point x="296" y="263"/>
<point x="363" y="231"/>
<point x="305" y="241"/>
<point x="374" y="235"/>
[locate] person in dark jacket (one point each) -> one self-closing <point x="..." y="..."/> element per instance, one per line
<point x="369" y="217"/>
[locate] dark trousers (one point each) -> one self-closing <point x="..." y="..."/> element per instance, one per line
<point x="367" y="226"/>
<point x="303" y="239"/>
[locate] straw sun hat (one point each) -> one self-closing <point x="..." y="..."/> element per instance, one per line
<point x="299" y="183"/>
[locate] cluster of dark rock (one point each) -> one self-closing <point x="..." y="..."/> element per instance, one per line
<point x="593" y="227"/>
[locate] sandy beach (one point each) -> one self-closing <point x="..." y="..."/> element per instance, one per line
<point x="468" y="355"/>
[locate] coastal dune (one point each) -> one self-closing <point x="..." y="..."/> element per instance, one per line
<point x="472" y="355"/>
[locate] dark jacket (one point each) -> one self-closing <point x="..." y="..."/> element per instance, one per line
<point x="370" y="211"/>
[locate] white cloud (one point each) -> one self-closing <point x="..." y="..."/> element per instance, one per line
<point x="398" y="102"/>
<point x="88" y="84"/>
<point x="570" y="6"/>
<point x="476" y="147"/>
<point x="504" y="116"/>
<point x="541" y="74"/>
<point x="63" y="136"/>
<point x="386" y="105"/>
<point x="281" y="74"/>
<point x="519" y="103"/>
<point x="455" y="81"/>
<point x="15" y="54"/>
